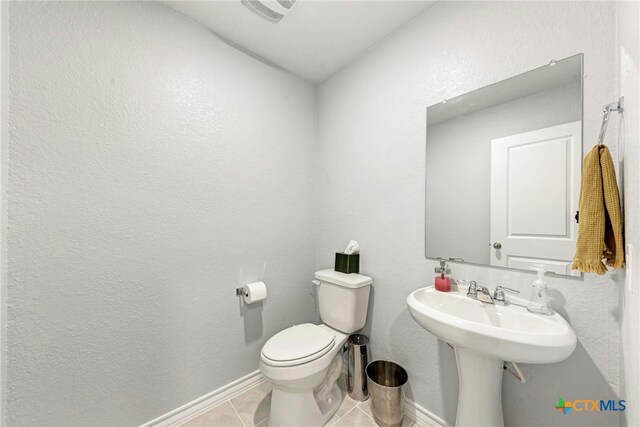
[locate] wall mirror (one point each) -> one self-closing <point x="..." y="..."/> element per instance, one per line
<point x="503" y="171"/>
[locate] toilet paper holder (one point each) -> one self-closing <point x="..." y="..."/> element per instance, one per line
<point x="252" y="292"/>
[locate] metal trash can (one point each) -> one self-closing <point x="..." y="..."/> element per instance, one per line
<point x="386" y="380"/>
<point x="356" y="367"/>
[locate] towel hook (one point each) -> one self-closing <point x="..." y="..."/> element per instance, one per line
<point x="615" y="106"/>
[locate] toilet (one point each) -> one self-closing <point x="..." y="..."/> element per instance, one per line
<point x="303" y="362"/>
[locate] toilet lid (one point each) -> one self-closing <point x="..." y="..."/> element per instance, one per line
<point x="299" y="342"/>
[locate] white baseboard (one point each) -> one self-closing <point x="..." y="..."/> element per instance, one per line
<point x="206" y="402"/>
<point x="423" y="417"/>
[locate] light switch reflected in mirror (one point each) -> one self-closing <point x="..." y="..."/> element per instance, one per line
<point x="503" y="171"/>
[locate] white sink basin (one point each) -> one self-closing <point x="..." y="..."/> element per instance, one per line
<point x="506" y="332"/>
<point x="484" y="336"/>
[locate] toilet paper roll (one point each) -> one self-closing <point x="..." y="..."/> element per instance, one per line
<point x="254" y="292"/>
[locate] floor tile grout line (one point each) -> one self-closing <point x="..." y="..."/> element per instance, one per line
<point x="242" y="394"/>
<point x="348" y="412"/>
<point x="237" y="414"/>
<point x="217" y="405"/>
<point x="338" y="418"/>
<point x="200" y="412"/>
<point x="358" y="406"/>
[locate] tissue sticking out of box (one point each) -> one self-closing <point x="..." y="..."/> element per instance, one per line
<point x="352" y="248"/>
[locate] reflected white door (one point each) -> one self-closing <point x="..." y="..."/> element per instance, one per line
<point x="535" y="185"/>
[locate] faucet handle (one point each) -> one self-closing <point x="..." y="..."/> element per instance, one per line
<point x="498" y="294"/>
<point x="473" y="288"/>
<point x="503" y="288"/>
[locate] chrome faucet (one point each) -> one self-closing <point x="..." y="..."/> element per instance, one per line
<point x="473" y="289"/>
<point x="498" y="294"/>
<point x="479" y="292"/>
<point x="482" y="293"/>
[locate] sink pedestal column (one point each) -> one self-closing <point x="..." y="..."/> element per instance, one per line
<point x="480" y="389"/>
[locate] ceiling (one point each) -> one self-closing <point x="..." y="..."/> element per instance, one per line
<point x="315" y="40"/>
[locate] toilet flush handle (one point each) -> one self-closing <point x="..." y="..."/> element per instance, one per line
<point x="316" y="282"/>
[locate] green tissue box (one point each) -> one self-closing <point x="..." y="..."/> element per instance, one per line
<point x="346" y="263"/>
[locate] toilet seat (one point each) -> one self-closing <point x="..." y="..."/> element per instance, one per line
<point x="297" y="345"/>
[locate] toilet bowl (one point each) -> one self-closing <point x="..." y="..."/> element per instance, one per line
<point x="304" y="362"/>
<point x="305" y="390"/>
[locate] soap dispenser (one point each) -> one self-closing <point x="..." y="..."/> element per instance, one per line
<point x="539" y="300"/>
<point x="443" y="283"/>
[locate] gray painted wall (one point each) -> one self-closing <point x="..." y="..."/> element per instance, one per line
<point x="132" y="131"/>
<point x="373" y="114"/>
<point x="4" y="92"/>
<point x="152" y="168"/>
<point x="458" y="170"/>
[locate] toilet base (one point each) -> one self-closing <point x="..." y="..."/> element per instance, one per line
<point x="306" y="395"/>
<point x="293" y="409"/>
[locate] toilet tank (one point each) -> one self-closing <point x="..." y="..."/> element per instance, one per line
<point x="343" y="299"/>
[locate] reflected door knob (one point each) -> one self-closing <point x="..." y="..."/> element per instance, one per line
<point x="497" y="245"/>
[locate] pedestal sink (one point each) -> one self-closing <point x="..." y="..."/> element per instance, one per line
<point x="484" y="336"/>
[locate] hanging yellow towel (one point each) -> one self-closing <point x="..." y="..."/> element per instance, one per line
<point x="600" y="220"/>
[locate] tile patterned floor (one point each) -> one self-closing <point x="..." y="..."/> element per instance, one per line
<point x="251" y="409"/>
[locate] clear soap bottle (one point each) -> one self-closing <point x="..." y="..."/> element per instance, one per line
<point x="539" y="302"/>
